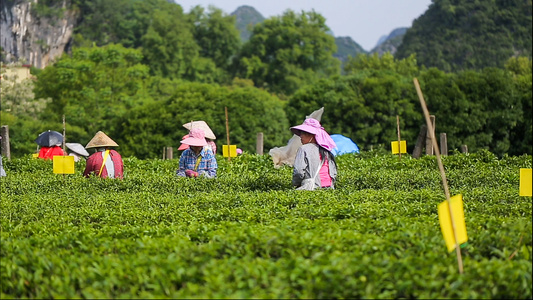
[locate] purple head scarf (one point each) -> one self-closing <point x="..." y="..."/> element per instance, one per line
<point x="312" y="126"/>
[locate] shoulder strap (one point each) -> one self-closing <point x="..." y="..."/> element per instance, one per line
<point x="320" y="167"/>
<point x="48" y="152"/>
<point x="197" y="162"/>
<point x="103" y="162"/>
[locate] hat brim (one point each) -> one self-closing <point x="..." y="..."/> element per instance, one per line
<point x="183" y="147"/>
<point x="194" y="142"/>
<point x="298" y="129"/>
<point x="101" y="140"/>
<point x="77" y="148"/>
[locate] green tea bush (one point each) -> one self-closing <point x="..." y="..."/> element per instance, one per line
<point x="249" y="234"/>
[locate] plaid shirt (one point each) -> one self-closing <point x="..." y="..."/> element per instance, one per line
<point x="207" y="166"/>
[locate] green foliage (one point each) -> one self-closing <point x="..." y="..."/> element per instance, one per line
<point x="123" y="22"/>
<point x="146" y="129"/>
<point x="50" y="9"/>
<point x="248" y="234"/>
<point x="17" y="95"/>
<point x="457" y="35"/>
<point x="93" y="88"/>
<point x="285" y="52"/>
<point x="522" y="81"/>
<point x="215" y="34"/>
<point x="374" y="63"/>
<point x="168" y="45"/>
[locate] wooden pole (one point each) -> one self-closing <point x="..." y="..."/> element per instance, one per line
<point x="417" y="152"/>
<point x="441" y="168"/>
<point x="169" y="153"/>
<point x="64" y="139"/>
<point x="443" y="144"/>
<point x="399" y="139"/>
<point x="464" y="148"/>
<point x="259" y="144"/>
<point x="429" y="146"/>
<point x="227" y="131"/>
<point x="64" y="143"/>
<point x="6" y="150"/>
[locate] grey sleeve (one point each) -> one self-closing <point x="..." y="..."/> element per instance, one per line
<point x="300" y="169"/>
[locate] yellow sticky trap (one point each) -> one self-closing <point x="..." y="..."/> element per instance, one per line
<point x="446" y="222"/>
<point x="525" y="182"/>
<point x="35" y="155"/>
<point x="403" y="147"/>
<point x="63" y="164"/>
<point x="232" y="150"/>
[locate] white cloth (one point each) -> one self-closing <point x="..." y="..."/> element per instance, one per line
<point x="2" y="171"/>
<point x="110" y="167"/>
<point x="76" y="156"/>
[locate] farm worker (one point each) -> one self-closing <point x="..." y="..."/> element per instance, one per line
<point x="197" y="160"/>
<point x="77" y="151"/>
<point x="105" y="162"/>
<point x="50" y="152"/>
<point x="314" y="165"/>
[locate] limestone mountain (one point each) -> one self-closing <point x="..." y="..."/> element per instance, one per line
<point x="346" y="47"/>
<point x="245" y="18"/>
<point x="33" y="34"/>
<point x="391" y="42"/>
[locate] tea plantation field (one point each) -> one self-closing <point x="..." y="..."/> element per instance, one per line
<point x="249" y="234"/>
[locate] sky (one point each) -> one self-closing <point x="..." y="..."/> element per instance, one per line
<point x="365" y="21"/>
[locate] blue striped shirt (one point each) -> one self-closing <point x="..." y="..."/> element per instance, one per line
<point x="207" y="166"/>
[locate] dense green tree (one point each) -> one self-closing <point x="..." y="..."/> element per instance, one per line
<point x="454" y="35"/>
<point x="477" y="109"/>
<point x="371" y="63"/>
<point x="287" y="52"/>
<point x="93" y="87"/>
<point x="521" y="136"/>
<point x="168" y="45"/>
<point x="147" y="129"/>
<point x="216" y="34"/>
<point x="102" y="22"/>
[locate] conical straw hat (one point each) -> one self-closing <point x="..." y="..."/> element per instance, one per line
<point x="100" y="139"/>
<point x="202" y="125"/>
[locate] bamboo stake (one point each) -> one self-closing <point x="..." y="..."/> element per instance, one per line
<point x="227" y="131"/>
<point x="64" y="149"/>
<point x="441" y="168"/>
<point x="64" y="143"/>
<point x="399" y="140"/>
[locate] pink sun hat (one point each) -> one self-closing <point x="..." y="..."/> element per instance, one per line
<point x="196" y="138"/>
<point x="183" y="146"/>
<point x="312" y="126"/>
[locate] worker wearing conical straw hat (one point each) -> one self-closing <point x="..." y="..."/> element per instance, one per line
<point x="105" y="162"/>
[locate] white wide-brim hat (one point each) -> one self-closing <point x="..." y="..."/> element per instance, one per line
<point x="77" y="148"/>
